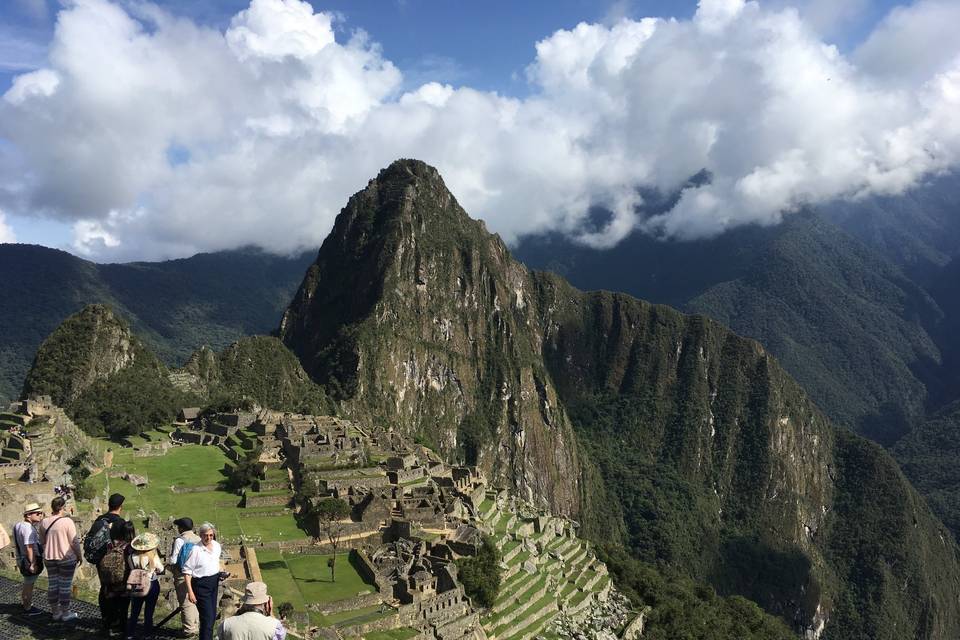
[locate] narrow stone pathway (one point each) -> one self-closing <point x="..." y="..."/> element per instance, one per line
<point x="14" y="625"/>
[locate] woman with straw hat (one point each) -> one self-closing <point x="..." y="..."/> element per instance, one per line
<point x="143" y="583"/>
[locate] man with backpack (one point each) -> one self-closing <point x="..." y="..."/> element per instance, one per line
<point x="182" y="546"/>
<point x="29" y="554"/>
<point x="98" y="540"/>
<point x="112" y="571"/>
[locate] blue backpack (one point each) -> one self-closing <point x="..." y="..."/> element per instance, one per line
<point x="185" y="552"/>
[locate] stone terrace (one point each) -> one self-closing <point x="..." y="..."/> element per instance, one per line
<point x="547" y="570"/>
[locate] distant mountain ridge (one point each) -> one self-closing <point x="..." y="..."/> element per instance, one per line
<point x="174" y="306"/>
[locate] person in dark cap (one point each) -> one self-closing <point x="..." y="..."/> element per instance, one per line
<point x="182" y="546"/>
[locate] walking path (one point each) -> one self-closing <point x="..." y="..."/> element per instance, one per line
<point x="14" y="625"/>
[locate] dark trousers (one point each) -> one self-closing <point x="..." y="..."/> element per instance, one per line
<point x="113" y="612"/>
<point x="206" y="591"/>
<point x="148" y="603"/>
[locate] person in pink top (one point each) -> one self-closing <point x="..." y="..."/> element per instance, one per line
<point x="62" y="555"/>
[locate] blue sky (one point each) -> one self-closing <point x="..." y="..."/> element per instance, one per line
<point x="485" y="52"/>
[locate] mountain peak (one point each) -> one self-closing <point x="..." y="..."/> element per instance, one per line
<point x="405" y="170"/>
<point x="89" y="346"/>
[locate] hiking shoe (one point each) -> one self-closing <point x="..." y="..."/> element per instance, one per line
<point x="69" y="616"/>
<point x="32" y="611"/>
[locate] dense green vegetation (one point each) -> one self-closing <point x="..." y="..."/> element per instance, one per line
<point x="929" y="456"/>
<point x="480" y="574"/>
<point x="137" y="398"/>
<point x="680" y="608"/>
<point x="847" y="324"/>
<point x="111" y="384"/>
<point x="263" y="369"/>
<point x="244" y="473"/>
<point x="174" y="306"/>
<point x="103" y="376"/>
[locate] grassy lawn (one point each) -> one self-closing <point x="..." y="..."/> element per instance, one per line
<point x="270" y="528"/>
<point x="277" y="576"/>
<point x="313" y="578"/>
<point x="300" y="579"/>
<point x="190" y="466"/>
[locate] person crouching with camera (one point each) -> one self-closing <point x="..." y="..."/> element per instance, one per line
<point x="254" y="620"/>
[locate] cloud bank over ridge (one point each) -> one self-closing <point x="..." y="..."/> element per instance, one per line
<point x="156" y="137"/>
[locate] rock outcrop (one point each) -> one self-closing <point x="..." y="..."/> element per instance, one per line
<point x="415" y="315"/>
<point x="88" y="347"/>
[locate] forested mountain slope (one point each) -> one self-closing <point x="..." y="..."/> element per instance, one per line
<point x="843" y="320"/>
<point x="174" y="306"/>
<point x="664" y="432"/>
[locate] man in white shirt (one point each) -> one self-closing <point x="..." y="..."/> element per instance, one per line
<point x="201" y="572"/>
<point x="189" y="616"/>
<point x="29" y="553"/>
<point x="254" y="620"/>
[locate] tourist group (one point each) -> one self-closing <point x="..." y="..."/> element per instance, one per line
<point x="129" y="565"/>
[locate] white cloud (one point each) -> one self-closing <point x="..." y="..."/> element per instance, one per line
<point x="913" y="43"/>
<point x="42" y="83"/>
<point x="6" y="231"/>
<point x="154" y="136"/>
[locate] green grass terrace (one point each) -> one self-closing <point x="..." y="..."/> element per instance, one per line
<point x="172" y="491"/>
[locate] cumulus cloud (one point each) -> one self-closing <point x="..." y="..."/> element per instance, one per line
<point x="154" y="136"/>
<point x="6" y="232"/>
<point x="913" y="44"/>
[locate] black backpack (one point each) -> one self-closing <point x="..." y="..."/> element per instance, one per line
<point x="96" y="541"/>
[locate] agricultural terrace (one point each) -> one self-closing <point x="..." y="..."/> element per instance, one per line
<point x="199" y="469"/>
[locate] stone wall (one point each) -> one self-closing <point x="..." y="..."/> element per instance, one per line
<point x="371" y="482"/>
<point x="203" y="489"/>
<point x="253" y="500"/>
<point x="357" y="602"/>
<point x="13" y="470"/>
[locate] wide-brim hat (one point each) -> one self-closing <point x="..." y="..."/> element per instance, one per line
<point x="255" y="593"/>
<point x="32" y="507"/>
<point x="145" y="542"/>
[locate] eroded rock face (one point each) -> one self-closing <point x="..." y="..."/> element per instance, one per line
<point x="87" y="347"/>
<point x="418" y="318"/>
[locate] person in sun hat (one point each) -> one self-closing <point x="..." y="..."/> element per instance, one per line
<point x="254" y="620"/>
<point x="29" y="553"/>
<point x="143" y="583"/>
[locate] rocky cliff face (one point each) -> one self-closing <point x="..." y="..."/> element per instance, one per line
<point x="417" y="317"/>
<point x="87" y="347"/>
<point x="665" y="432"/>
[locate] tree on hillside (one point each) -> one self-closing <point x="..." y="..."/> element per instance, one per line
<point x="480" y="575"/>
<point x="330" y="514"/>
<point x="245" y="472"/>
